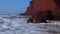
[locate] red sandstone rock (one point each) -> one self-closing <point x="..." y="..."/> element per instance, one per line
<point x="44" y="5"/>
<point x="30" y="9"/>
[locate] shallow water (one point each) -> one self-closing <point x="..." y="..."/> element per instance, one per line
<point x="20" y="26"/>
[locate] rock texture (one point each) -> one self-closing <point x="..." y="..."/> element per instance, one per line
<point x="44" y="5"/>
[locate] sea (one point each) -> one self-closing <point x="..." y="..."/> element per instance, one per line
<point x="17" y="24"/>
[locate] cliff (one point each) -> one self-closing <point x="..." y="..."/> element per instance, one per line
<point x="44" y="5"/>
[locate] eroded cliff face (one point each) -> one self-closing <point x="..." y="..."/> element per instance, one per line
<point x="44" y="5"/>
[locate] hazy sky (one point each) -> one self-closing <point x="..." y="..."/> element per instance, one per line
<point x="13" y="6"/>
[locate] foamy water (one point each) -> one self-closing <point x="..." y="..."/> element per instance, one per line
<point x="20" y="26"/>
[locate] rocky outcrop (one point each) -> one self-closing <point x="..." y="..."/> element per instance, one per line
<point x="45" y="6"/>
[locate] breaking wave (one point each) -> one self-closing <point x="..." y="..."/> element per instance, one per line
<point x="19" y="25"/>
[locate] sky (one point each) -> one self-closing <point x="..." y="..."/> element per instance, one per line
<point x="13" y="6"/>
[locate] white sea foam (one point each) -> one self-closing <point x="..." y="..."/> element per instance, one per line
<point x="20" y="26"/>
